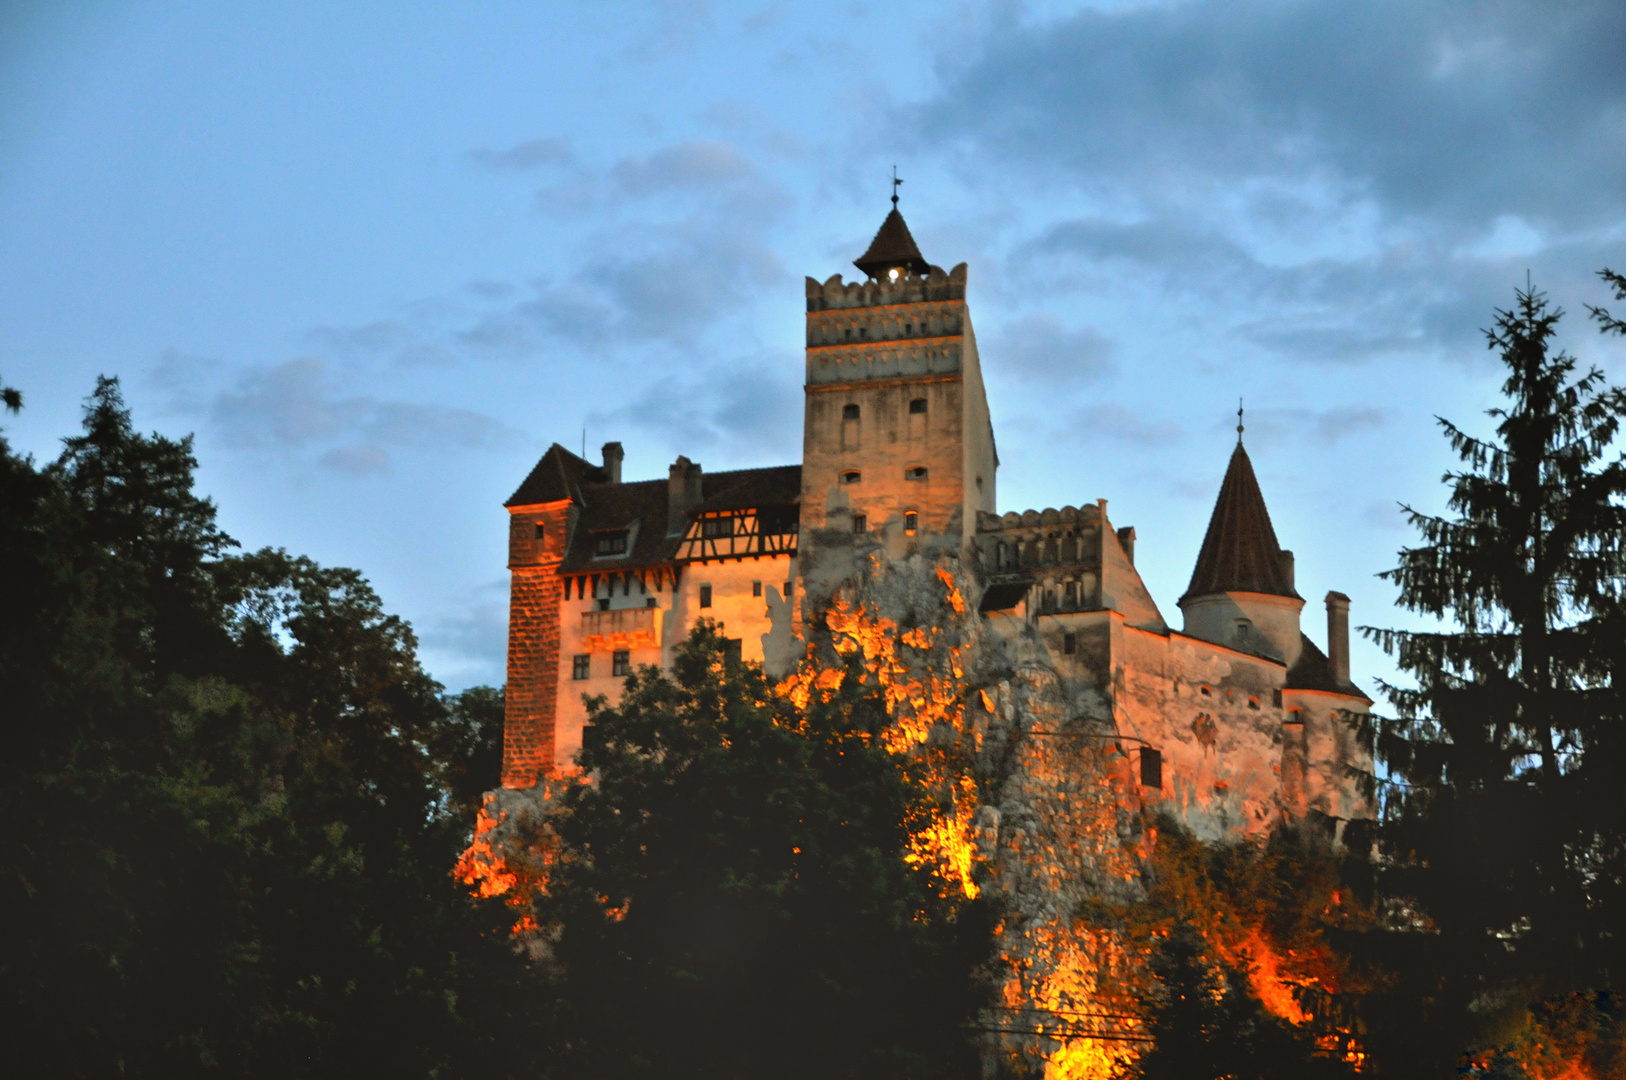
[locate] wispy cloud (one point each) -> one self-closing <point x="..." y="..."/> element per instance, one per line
<point x="524" y="156"/>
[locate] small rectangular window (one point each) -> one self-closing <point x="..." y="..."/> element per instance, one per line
<point x="1276" y="698"/>
<point x="581" y="666"/>
<point x="849" y="412"/>
<point x="1072" y="594"/>
<point x="756" y="588"/>
<point x="916" y="473"/>
<point x="649" y="602"/>
<point x="860" y="523"/>
<point x="918" y="405"/>
<point x="705" y="596"/>
<point x="911" y="523"/>
<point x="621" y="662"/>
<point x="1069" y="644"/>
<point x="786" y="593"/>
<point x="539" y="531"/>
<point x="908" y="328"/>
<point x="1151" y="767"/>
<point x="731" y="649"/>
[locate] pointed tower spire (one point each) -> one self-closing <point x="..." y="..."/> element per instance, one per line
<point x="1240" y="552"/>
<point x="892" y="249"/>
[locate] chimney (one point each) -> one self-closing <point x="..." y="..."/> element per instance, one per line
<point x="1287" y="569"/>
<point x="1126" y="540"/>
<point x="1338" y="636"/>
<point x="682" y="494"/>
<point x="612" y="461"/>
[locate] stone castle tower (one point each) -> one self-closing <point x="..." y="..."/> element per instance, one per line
<point x="1239" y="718"/>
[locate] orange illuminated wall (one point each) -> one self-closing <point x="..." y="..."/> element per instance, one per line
<point x="536" y="545"/>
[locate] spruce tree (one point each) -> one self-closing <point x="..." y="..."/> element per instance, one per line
<point x="1503" y="834"/>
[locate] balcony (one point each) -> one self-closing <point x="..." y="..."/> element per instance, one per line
<point x="629" y="628"/>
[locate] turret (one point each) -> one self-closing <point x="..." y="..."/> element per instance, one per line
<point x="1241" y="593"/>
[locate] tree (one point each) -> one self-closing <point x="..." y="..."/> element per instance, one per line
<point x="730" y="896"/>
<point x="227" y="804"/>
<point x="1503" y="830"/>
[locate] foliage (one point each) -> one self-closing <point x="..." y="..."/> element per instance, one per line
<point x="1504" y="836"/>
<point x="230" y="798"/>
<point x="1243" y="936"/>
<point x="730" y="896"/>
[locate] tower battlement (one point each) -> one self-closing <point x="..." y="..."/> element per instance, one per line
<point x="908" y="287"/>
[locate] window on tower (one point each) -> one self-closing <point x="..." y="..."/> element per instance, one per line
<point x="918" y="405"/>
<point x="849" y="412"/>
<point x="911" y="523"/>
<point x="916" y="473"/>
<point x="860" y="523"/>
<point x="852" y="476"/>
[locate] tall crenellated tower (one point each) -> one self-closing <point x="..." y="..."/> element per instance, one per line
<point x="896" y="431"/>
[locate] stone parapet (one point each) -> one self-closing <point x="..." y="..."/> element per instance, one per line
<point x="628" y="628"/>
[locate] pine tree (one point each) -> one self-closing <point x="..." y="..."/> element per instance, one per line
<point x="1502" y="830"/>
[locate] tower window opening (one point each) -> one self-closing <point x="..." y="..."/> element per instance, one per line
<point x="1069" y="644"/>
<point x="756" y="588"/>
<point x="860" y="523"/>
<point x="848" y="336"/>
<point x="849" y="412"/>
<point x="1151" y="767"/>
<point x="863" y="332"/>
<point x="893" y="273"/>
<point x="908" y="329"/>
<point x="916" y="473"/>
<point x="539" y="531"/>
<point x="621" y="662"/>
<point x="705" y="596"/>
<point x="911" y="523"/>
<point x="852" y="476"/>
<point x="918" y="405"/>
<point x="1071" y="592"/>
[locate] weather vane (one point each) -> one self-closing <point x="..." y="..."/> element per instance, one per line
<point x="1239" y="421"/>
<point x="896" y="183"/>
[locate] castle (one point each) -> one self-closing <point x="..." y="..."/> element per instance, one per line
<point x="1236" y="719"/>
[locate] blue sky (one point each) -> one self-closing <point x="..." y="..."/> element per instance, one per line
<point x="378" y="256"/>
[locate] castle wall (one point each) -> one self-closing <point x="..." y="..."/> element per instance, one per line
<point x="530" y="715"/>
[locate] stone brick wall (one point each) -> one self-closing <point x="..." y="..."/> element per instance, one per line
<point x="533" y="675"/>
<point x="537" y="538"/>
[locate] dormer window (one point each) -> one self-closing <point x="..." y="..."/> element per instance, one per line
<point x="606" y="544"/>
<point x="713" y="527"/>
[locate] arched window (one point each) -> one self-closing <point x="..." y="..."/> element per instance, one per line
<point x="851" y="476"/>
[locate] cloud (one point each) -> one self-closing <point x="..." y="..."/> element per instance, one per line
<point x="684" y="240"/>
<point x="750" y="408"/>
<point x="1038" y="347"/>
<point x="524" y="156"/>
<point x="1325" y="426"/>
<point x="1111" y="422"/>
<point x="293" y="405"/>
<point x="469" y="646"/>
<point x="1445" y="109"/>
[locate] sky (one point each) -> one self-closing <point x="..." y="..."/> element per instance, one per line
<point x="377" y="257"/>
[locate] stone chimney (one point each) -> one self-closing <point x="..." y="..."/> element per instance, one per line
<point x="683" y="493"/>
<point x="1126" y="540"/>
<point x="1287" y="567"/>
<point x="1338" y="635"/>
<point x="612" y="461"/>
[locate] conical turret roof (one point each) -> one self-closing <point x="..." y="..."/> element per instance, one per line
<point x="892" y="246"/>
<point x="1240" y="552"/>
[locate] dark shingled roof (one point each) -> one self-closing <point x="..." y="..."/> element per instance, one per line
<point x="1313" y="671"/>
<point x="559" y="475"/>
<point x="1240" y="552"/>
<point x="892" y="246"/>
<point x="643" y="504"/>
